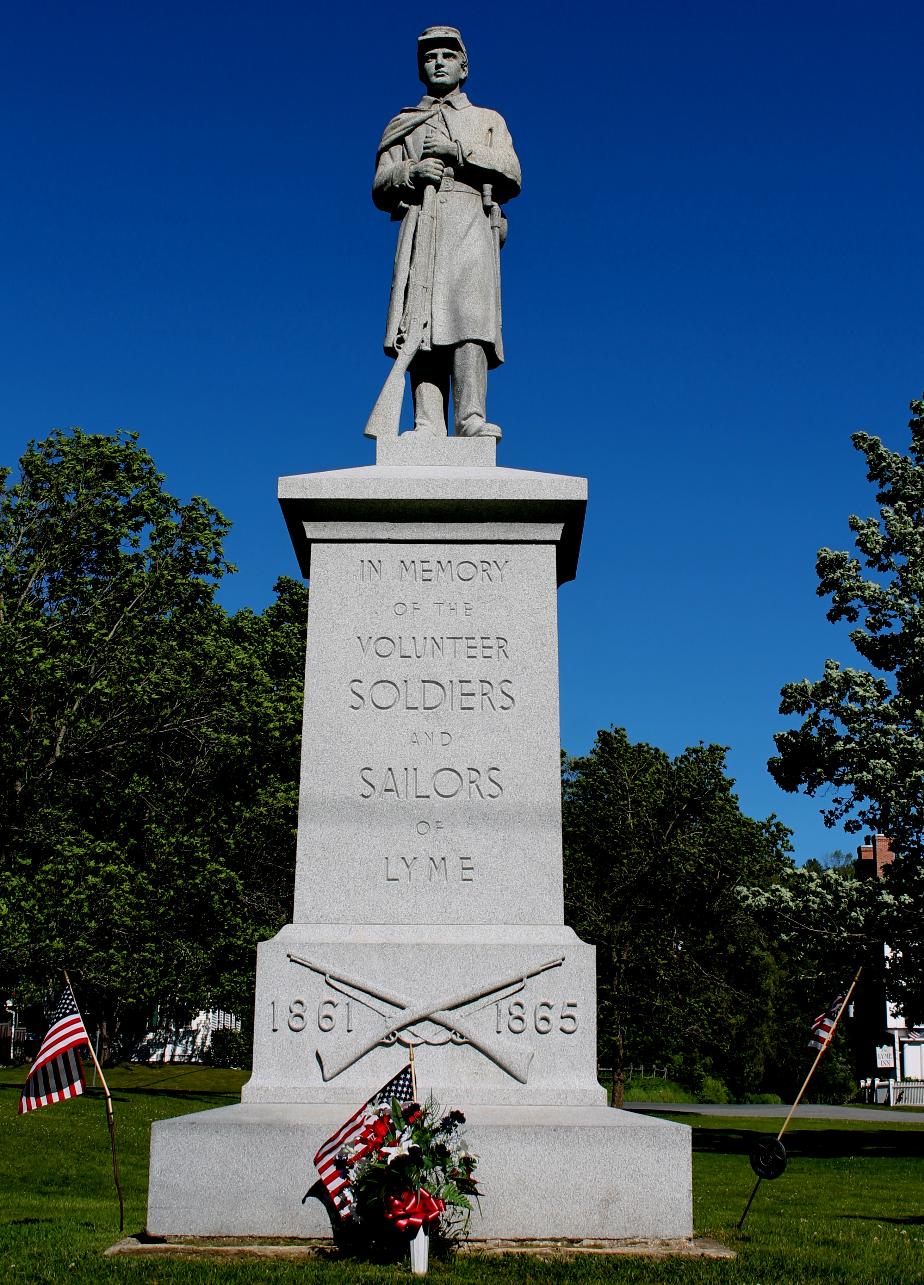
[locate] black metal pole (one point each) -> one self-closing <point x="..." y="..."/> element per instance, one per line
<point x="792" y="1110"/>
<point x="748" y="1205"/>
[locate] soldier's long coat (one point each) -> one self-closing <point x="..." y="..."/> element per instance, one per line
<point x="466" y="301"/>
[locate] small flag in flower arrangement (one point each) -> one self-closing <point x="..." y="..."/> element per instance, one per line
<point x="57" y="1072"/>
<point x="823" y="1025"/>
<point x="360" y="1134"/>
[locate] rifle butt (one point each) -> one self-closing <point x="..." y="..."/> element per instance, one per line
<point x="516" y="1065"/>
<point x="386" y="413"/>
<point x="333" y="1068"/>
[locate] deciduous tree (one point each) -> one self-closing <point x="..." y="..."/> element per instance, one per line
<point x="148" y="742"/>
<point x="860" y="744"/>
<point x="655" y="848"/>
<point x="861" y="740"/>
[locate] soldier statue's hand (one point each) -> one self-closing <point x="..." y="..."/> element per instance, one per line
<point x="429" y="170"/>
<point x="437" y="145"/>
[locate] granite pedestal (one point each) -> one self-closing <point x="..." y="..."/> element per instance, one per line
<point x="428" y="899"/>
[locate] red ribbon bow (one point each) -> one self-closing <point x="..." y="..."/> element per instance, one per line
<point x="413" y="1209"/>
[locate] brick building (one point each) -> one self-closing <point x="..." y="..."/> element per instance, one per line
<point x="895" y="1050"/>
<point x="873" y="856"/>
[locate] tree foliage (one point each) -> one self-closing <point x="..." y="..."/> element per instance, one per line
<point x="148" y="741"/>
<point x="655" y="849"/>
<point x="861" y="740"/>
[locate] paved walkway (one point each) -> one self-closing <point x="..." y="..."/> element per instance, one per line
<point x="880" y="1115"/>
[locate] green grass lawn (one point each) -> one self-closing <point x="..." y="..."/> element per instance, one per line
<point x="850" y="1207"/>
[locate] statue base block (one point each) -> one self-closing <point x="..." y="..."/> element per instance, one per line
<point x="580" y="1172"/>
<point x="428" y="887"/>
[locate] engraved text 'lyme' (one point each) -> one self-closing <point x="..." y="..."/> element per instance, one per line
<point x="430" y="869"/>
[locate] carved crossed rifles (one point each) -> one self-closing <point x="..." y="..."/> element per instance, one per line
<point x="450" y="1014"/>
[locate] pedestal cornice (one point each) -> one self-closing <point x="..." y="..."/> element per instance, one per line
<point x="451" y="504"/>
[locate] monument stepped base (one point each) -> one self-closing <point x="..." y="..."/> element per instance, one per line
<point x="586" y="1172"/>
<point x="429" y="908"/>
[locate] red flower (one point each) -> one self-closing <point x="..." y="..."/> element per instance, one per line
<point x="413" y="1209"/>
<point x="375" y="1133"/>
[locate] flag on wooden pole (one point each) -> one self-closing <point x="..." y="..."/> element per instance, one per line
<point x="824" y="1024"/>
<point x="769" y="1160"/>
<point x="57" y="1072"/>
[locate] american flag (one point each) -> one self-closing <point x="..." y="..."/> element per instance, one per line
<point x="357" y="1132"/>
<point x="56" y="1073"/>
<point x="823" y="1025"/>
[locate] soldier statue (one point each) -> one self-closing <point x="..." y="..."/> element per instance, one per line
<point x="444" y="169"/>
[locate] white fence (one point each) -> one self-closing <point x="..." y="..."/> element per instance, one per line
<point x="16" y="1043"/>
<point x="631" y="1071"/>
<point x="895" y="1093"/>
<point x="186" y="1043"/>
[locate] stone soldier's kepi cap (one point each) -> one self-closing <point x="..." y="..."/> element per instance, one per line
<point x="449" y="37"/>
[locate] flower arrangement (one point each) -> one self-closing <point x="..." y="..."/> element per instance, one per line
<point x="415" y="1175"/>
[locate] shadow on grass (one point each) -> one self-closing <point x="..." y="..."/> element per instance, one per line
<point x="162" y="1079"/>
<point x="188" y="1095"/>
<point x="219" y="1097"/>
<point x="913" y="1220"/>
<point x="819" y="1144"/>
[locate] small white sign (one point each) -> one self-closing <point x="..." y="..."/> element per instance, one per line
<point x="885" y="1056"/>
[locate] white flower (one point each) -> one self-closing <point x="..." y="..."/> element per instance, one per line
<point x="399" y="1149"/>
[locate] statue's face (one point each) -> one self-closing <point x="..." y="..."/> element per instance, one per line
<point x="443" y="69"/>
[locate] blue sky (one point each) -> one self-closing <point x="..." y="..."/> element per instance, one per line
<point x="713" y="276"/>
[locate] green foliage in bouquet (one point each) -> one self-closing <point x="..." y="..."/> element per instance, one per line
<point x="418" y="1170"/>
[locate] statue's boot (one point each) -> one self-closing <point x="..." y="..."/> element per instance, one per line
<point x="484" y="429"/>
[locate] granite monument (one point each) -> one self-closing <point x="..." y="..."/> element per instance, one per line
<point x="428" y="894"/>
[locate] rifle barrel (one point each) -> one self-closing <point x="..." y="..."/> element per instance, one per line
<point x="350" y="981"/>
<point x="386" y="414"/>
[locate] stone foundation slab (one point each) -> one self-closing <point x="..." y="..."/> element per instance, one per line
<point x="588" y="1172"/>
